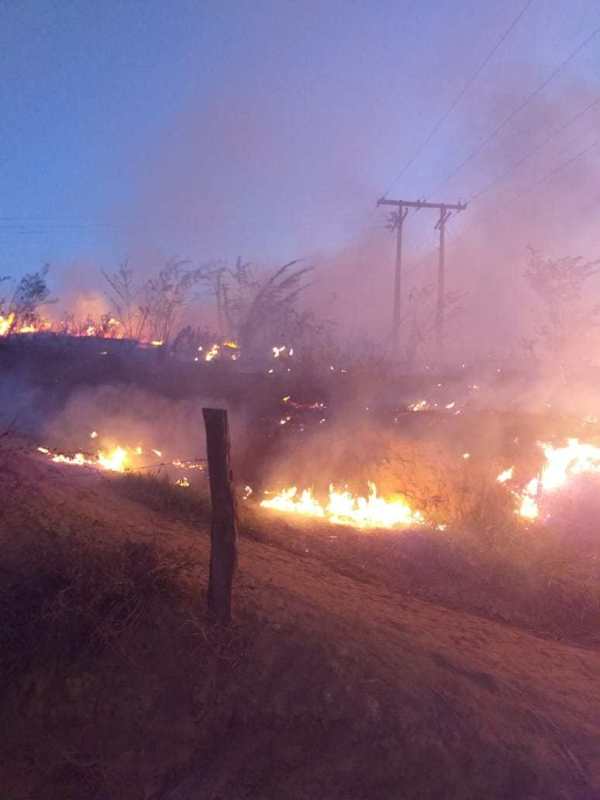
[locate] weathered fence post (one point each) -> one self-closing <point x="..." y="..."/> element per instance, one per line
<point x="223" y="534"/>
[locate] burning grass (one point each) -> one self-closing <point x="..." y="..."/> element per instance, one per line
<point x="344" y="508"/>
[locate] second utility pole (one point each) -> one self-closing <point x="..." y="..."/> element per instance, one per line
<point x="445" y="210"/>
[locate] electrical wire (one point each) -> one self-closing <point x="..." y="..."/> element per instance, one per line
<point x="469" y="83"/>
<point x="523" y="104"/>
<point x="510" y="169"/>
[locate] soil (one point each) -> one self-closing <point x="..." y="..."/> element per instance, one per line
<point x="331" y="683"/>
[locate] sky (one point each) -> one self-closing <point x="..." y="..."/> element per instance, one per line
<point x="268" y="129"/>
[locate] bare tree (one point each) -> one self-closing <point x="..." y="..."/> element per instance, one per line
<point x="152" y="308"/>
<point x="421" y="320"/>
<point x="30" y="293"/>
<point x="124" y="296"/>
<point x="566" y="319"/>
<point x="166" y="295"/>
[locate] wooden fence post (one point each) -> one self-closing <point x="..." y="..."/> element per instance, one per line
<point x="223" y="534"/>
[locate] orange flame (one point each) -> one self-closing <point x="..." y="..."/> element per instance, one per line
<point x="344" y="508"/>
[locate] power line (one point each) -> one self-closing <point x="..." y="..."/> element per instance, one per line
<point x="534" y="93"/>
<point x="559" y="168"/>
<point x="530" y="188"/>
<point x="469" y="83"/>
<point x="511" y="168"/>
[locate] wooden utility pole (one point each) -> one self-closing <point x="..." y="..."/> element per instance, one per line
<point x="445" y="215"/>
<point x="397" y="222"/>
<point x="223" y="533"/>
<point x="403" y="207"/>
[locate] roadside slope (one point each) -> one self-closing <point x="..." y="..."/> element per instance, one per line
<point x="326" y="686"/>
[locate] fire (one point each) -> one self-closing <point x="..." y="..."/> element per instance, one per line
<point x="6" y="324"/>
<point x="120" y="458"/>
<point x="115" y="460"/>
<point x="561" y="464"/>
<point x="506" y="475"/>
<point x="212" y="353"/>
<point x="78" y="459"/>
<point x="344" y="508"/>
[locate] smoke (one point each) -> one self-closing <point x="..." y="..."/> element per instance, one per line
<point x="545" y="202"/>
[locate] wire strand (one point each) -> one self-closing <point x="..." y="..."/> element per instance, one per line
<point x="469" y="83"/>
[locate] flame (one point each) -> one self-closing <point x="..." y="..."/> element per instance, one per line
<point x="344" y="508"/>
<point x="561" y="464"/>
<point x="212" y="353"/>
<point x="506" y="475"/>
<point x="78" y="459"/>
<point x="6" y="324"/>
<point x="114" y="459"/>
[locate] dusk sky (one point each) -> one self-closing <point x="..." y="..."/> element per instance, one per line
<point x="269" y="128"/>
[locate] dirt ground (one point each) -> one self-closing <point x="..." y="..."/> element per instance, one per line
<point x="335" y="681"/>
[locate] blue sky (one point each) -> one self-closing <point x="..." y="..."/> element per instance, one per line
<point x="266" y="128"/>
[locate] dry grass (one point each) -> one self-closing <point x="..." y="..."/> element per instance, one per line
<point x="117" y="689"/>
<point x="66" y="599"/>
<point x="160" y="494"/>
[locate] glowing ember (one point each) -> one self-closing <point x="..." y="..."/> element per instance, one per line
<point x="344" y="508"/>
<point x="212" y="353"/>
<point x="157" y="343"/>
<point x="506" y="475"/>
<point x="420" y="405"/>
<point x="182" y="482"/>
<point x="186" y="464"/>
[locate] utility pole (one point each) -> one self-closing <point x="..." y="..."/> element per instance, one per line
<point x="397" y="222"/>
<point x="445" y="215"/>
<point x="403" y="207"/>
